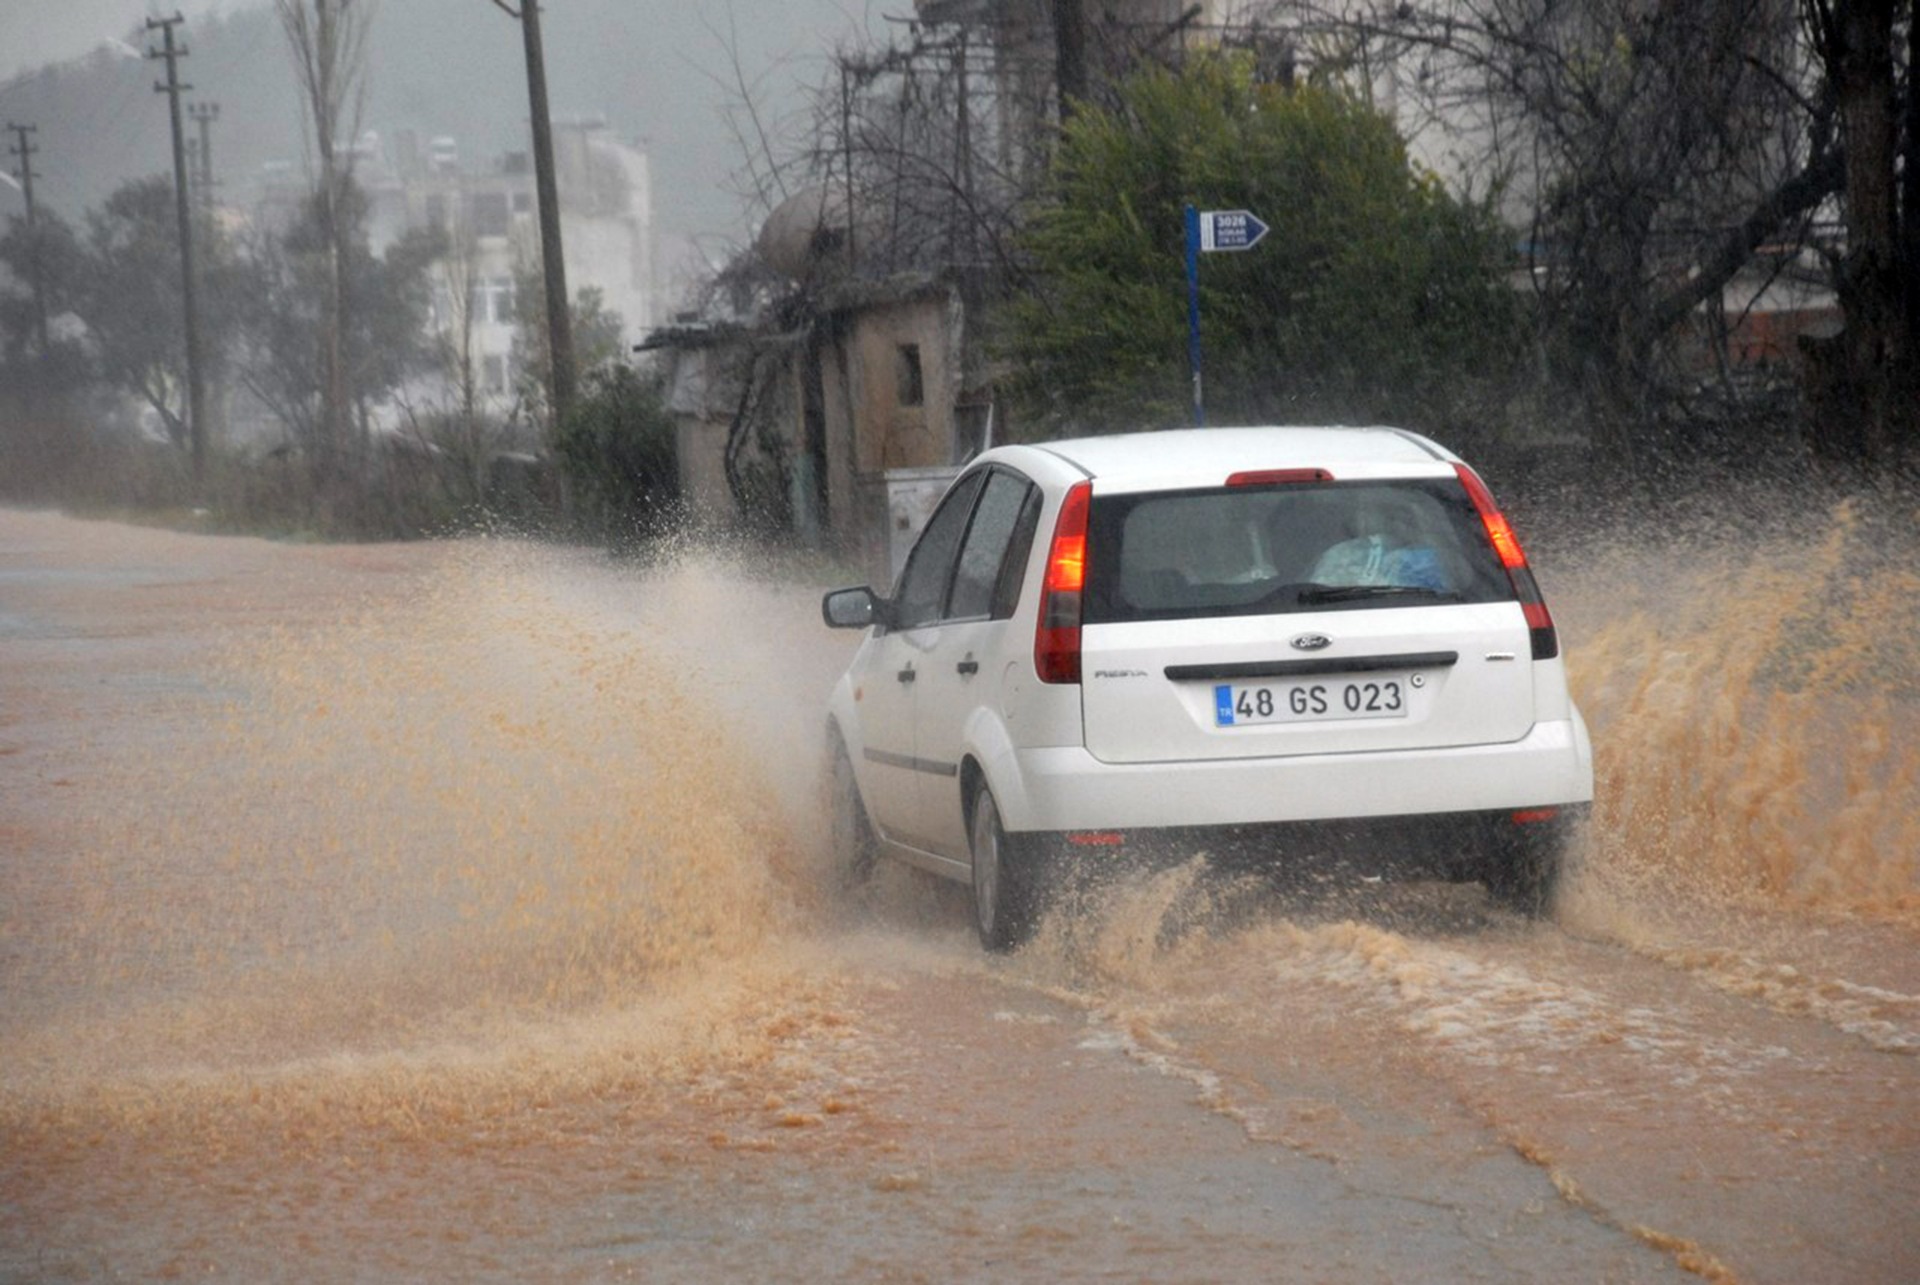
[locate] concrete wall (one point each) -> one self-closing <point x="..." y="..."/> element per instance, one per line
<point x="890" y="433"/>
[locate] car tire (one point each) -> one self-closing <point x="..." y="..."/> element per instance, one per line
<point x="855" y="846"/>
<point x="1006" y="878"/>
<point x="1526" y="877"/>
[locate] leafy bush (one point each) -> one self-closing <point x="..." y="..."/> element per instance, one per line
<point x="1377" y="295"/>
<point x="617" y="457"/>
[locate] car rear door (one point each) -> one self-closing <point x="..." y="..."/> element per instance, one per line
<point x="1291" y="620"/>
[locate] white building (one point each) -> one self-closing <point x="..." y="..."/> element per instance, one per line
<point x="490" y="216"/>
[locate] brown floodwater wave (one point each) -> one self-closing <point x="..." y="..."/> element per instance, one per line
<point x="1753" y="695"/>
<point x="502" y="834"/>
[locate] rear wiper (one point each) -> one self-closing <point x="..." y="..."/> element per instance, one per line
<point x="1318" y="594"/>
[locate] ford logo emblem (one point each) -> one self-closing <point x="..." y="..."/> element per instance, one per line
<point x="1312" y="642"/>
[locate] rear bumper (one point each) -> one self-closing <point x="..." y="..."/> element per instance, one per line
<point x="1453" y="845"/>
<point x="1065" y="789"/>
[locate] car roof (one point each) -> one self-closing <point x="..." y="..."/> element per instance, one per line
<point x="1183" y="457"/>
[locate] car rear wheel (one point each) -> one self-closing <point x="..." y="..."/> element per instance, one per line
<point x="1526" y="876"/>
<point x="855" y="847"/>
<point x="1004" y="879"/>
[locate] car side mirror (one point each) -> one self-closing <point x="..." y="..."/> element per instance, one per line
<point x="852" y="608"/>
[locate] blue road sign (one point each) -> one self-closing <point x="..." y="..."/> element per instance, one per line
<point x="1229" y="230"/>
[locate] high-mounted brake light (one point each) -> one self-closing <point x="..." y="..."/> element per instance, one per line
<point x="1278" y="476"/>
<point x="1540" y="628"/>
<point x="1056" y="639"/>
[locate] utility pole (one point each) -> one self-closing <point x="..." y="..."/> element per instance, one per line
<point x="173" y="89"/>
<point x="553" y="264"/>
<point x="204" y="114"/>
<point x="25" y="150"/>
<point x="1070" y="54"/>
<point x="212" y="411"/>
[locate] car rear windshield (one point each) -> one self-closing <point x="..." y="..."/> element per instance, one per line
<point x="1259" y="550"/>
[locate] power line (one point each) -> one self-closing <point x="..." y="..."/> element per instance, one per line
<point x="173" y="89"/>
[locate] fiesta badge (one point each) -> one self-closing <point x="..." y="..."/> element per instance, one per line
<point x="1311" y="642"/>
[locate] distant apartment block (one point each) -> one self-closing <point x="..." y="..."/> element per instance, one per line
<point x="488" y="210"/>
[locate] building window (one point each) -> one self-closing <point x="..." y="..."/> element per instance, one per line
<point x="908" y="381"/>
<point x="493" y="374"/>
<point x="490" y="214"/>
<point x="493" y="300"/>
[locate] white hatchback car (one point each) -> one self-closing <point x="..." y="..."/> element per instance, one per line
<point x="1290" y="647"/>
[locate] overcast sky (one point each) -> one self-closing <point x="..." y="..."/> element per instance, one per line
<point x="660" y="72"/>
<point x="36" y="32"/>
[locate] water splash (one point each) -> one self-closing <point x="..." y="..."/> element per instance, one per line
<point x="1752" y="696"/>
<point x="483" y="834"/>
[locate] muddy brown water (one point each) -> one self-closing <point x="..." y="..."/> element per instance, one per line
<point x="457" y="911"/>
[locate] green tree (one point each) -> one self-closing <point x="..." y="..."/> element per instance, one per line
<point x="1376" y="295"/>
<point x="52" y="250"/>
<point x="617" y="454"/>
<point x="595" y="331"/>
<point x="43" y="410"/>
<point x="287" y="315"/>
<point x="125" y="286"/>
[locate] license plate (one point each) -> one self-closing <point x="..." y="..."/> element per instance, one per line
<point x="1312" y="700"/>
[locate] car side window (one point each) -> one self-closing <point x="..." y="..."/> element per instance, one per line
<point x="995" y="521"/>
<point x="1013" y="570"/>
<point x="923" y="583"/>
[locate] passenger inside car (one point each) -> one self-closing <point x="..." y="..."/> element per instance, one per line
<point x="1388" y="544"/>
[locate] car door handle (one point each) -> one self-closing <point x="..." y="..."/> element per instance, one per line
<point x="906" y="675"/>
<point x="968" y="666"/>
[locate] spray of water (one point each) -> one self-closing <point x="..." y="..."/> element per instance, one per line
<point x="517" y="828"/>
<point x="1753" y="698"/>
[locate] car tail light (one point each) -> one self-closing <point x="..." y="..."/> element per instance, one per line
<point x="1545" y="638"/>
<point x="1056" y="640"/>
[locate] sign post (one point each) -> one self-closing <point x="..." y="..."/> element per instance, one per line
<point x="1209" y="232"/>
<point x="1193" y="315"/>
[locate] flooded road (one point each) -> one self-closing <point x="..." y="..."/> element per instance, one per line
<point x="457" y="912"/>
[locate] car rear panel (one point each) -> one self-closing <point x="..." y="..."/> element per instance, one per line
<point x="1415" y="677"/>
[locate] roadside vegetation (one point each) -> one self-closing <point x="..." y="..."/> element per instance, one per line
<point x="1629" y="186"/>
<point x="1377" y="296"/>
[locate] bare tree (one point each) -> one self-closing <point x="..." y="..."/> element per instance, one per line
<point x="1657" y="150"/>
<point x="1869" y="377"/>
<point x="328" y="40"/>
<point x="460" y="423"/>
